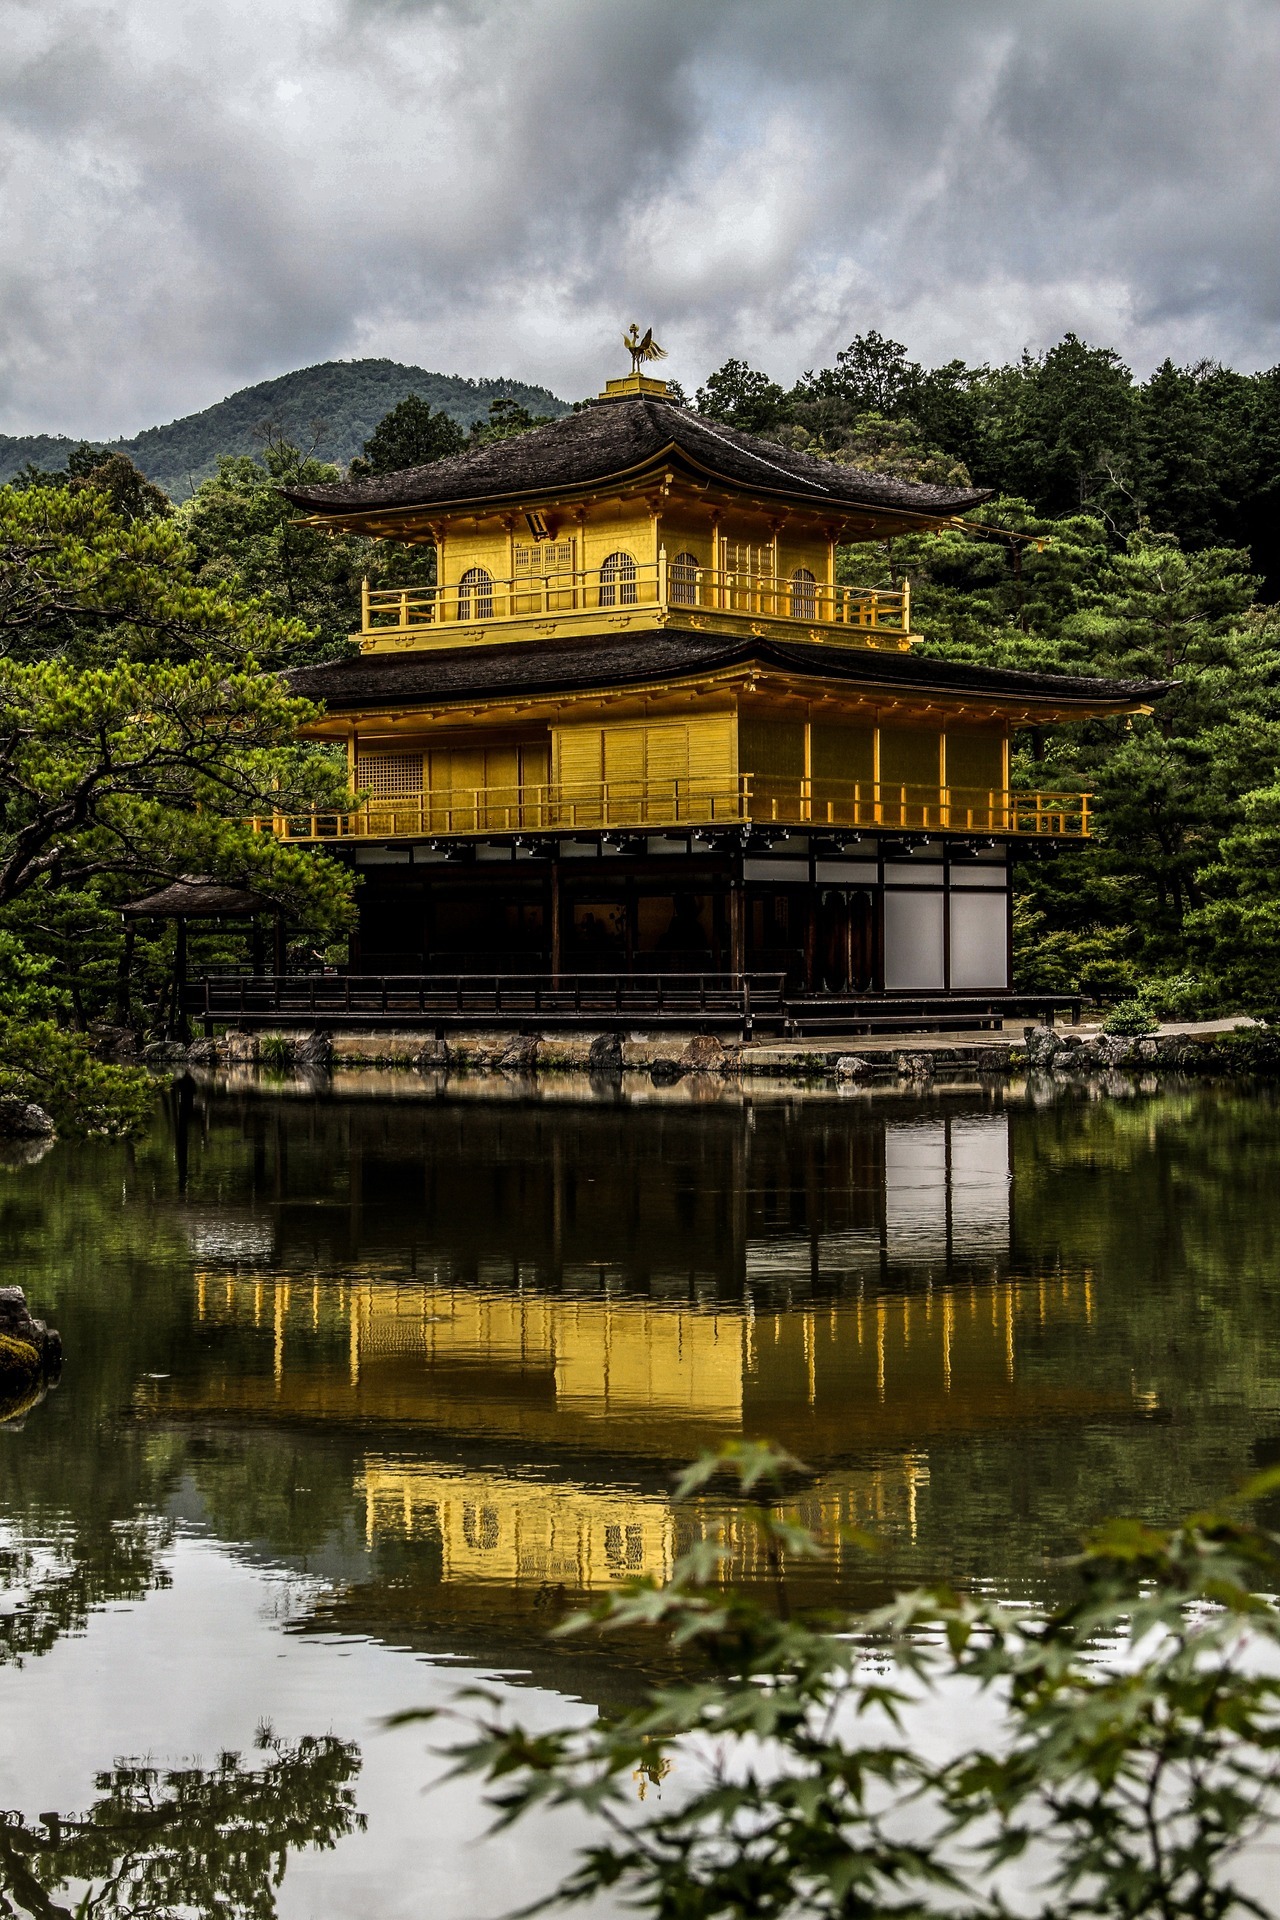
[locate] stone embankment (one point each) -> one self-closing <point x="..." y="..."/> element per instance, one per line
<point x="1206" y="1046"/>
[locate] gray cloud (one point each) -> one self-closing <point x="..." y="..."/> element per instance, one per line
<point x="194" y="197"/>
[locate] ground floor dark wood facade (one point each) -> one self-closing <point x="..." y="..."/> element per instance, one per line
<point x="928" y="916"/>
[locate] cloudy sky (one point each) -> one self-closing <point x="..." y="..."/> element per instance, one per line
<point x="195" y="194"/>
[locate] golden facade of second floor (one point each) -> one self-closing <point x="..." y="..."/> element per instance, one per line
<point x="733" y="758"/>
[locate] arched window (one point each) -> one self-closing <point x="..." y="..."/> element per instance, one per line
<point x="618" y="581"/>
<point x="475" y="595"/>
<point x="682" y="580"/>
<point x="804" y="595"/>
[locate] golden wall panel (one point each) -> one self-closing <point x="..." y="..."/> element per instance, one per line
<point x="911" y="756"/>
<point x="842" y="751"/>
<point x="653" y="753"/>
<point x="976" y="757"/>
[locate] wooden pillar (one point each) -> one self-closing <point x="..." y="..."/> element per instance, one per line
<point x="737" y="920"/>
<point x="123" y="1002"/>
<point x="184" y="1095"/>
<point x="555" y="922"/>
<point x="180" y="1025"/>
<point x="810" y="936"/>
<point x="279" y="945"/>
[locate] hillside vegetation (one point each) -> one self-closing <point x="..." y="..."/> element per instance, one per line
<point x="331" y="409"/>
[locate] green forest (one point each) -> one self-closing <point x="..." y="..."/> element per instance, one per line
<point x="1132" y="533"/>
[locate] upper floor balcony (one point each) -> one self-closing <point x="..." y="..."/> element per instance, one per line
<point x="625" y="592"/>
<point x="753" y="801"/>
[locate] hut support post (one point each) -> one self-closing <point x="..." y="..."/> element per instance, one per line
<point x="181" y="1025"/>
<point x="124" y="1010"/>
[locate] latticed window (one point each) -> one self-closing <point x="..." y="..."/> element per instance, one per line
<point x="618" y="581"/>
<point x="741" y="557"/>
<point x="545" y="558"/>
<point x="475" y="595"/>
<point x="682" y="579"/>
<point x="804" y="595"/>
<point x="389" y="773"/>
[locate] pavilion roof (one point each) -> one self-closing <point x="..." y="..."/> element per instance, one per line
<point x="197" y="896"/>
<point x="463" y="675"/>
<point x="611" y="440"/>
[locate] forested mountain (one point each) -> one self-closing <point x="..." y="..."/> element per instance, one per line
<point x="331" y="409"/>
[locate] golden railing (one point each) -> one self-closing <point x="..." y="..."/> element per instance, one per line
<point x="651" y="805"/>
<point x="875" y="617"/>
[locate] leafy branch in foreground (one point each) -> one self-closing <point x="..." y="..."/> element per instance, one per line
<point x="1119" y="1750"/>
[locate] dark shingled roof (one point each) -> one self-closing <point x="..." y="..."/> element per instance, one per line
<point x="196" y="896"/>
<point x="615" y="437"/>
<point x="461" y="674"/>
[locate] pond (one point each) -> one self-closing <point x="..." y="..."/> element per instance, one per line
<point x="363" y="1390"/>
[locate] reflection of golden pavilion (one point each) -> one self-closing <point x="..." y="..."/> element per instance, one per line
<point x="876" y="1376"/>
<point x="427" y="1354"/>
<point x="520" y="1531"/>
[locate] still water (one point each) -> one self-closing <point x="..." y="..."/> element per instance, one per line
<point x="363" y="1390"/>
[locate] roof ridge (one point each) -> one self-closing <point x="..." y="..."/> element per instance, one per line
<point x="624" y="436"/>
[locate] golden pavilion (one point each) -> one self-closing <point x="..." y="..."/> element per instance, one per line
<point x="638" y="727"/>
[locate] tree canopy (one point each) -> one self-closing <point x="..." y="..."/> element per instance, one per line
<point x="410" y="435"/>
<point x="1193" y="451"/>
<point x="142" y="732"/>
<point x="189" y="1839"/>
<point x="1108" y="1758"/>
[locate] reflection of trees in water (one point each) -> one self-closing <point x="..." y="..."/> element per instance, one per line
<point x="60" y="1588"/>
<point x="93" y="1236"/>
<point x="189" y="1840"/>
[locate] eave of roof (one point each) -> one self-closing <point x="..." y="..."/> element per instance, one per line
<point x="196" y="897"/>
<point x="610" y="664"/>
<point x="619" y="441"/>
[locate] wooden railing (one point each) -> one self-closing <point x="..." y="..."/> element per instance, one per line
<point x="755" y="1001"/>
<point x="652" y="805"/>
<point x="872" y="616"/>
<point x="512" y="999"/>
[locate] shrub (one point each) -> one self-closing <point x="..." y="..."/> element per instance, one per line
<point x="1132" y="1016"/>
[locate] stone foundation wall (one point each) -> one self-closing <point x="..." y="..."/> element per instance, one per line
<point x="668" y="1057"/>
